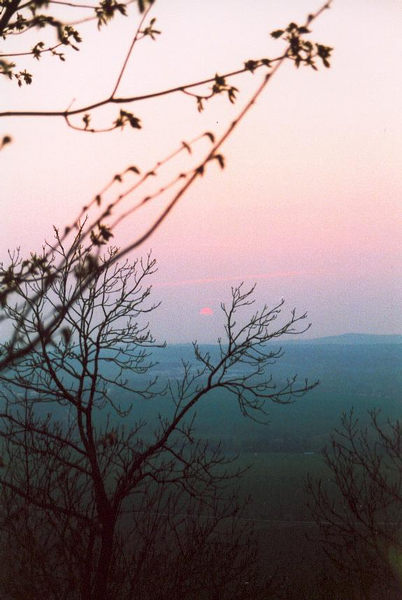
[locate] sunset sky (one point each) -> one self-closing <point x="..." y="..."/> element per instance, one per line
<point x="309" y="203"/>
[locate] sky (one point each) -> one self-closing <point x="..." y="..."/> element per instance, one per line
<point x="309" y="203"/>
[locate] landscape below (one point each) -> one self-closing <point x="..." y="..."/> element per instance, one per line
<point x="355" y="371"/>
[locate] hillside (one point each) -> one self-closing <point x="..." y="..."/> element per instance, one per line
<point x="355" y="370"/>
<point x="355" y="338"/>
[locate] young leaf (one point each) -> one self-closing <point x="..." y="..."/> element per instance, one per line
<point x="251" y="65"/>
<point x="221" y="160"/>
<point x="187" y="147"/>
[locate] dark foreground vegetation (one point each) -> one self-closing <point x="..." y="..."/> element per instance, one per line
<point x="325" y="475"/>
<point x="105" y="488"/>
<point x="274" y="535"/>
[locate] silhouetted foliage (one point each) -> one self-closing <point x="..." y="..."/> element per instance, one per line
<point x="359" y="508"/>
<point x="96" y="502"/>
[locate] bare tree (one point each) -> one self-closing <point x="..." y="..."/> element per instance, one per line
<point x="97" y="500"/>
<point x="359" y="509"/>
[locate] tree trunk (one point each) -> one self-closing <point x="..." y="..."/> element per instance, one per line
<point x="100" y="588"/>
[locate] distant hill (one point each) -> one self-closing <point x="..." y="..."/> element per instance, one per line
<point x="355" y="338"/>
<point x="343" y="339"/>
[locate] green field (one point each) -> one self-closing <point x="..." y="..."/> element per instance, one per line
<point x="276" y="483"/>
<point x="278" y="510"/>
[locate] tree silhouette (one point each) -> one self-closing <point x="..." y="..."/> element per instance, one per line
<point x="97" y="499"/>
<point x="359" y="509"/>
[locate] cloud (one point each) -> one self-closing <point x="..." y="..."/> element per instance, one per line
<point x="205" y="280"/>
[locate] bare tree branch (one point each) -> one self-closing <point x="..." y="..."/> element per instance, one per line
<point x="83" y="464"/>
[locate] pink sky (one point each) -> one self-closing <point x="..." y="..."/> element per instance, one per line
<point x="309" y="204"/>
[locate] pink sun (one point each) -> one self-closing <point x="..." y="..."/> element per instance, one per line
<point x="206" y="311"/>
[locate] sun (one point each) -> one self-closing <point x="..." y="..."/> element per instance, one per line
<point x="206" y="311"/>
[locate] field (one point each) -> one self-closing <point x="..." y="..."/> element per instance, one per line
<point x="276" y="484"/>
<point x="277" y="511"/>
